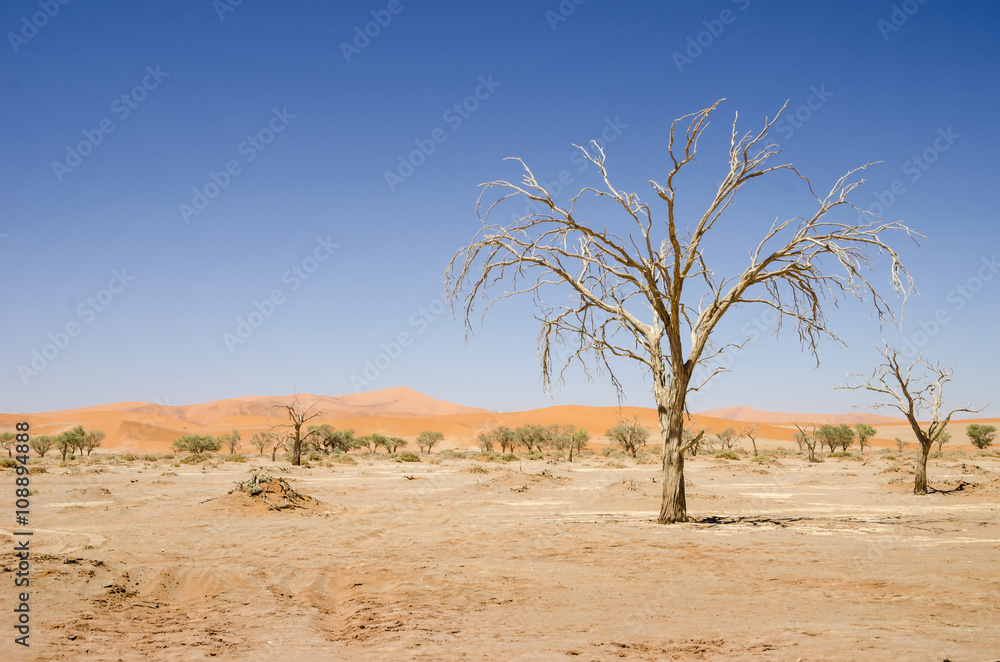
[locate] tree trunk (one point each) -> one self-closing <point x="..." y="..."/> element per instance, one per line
<point x="670" y="411"/>
<point x="920" y="479"/>
<point x="297" y="447"/>
<point x="570" y="453"/>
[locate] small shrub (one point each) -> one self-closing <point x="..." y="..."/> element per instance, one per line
<point x="38" y="470"/>
<point x="167" y="456"/>
<point x="839" y="454"/>
<point x="8" y="462"/>
<point x="195" y="458"/>
<point x="936" y="455"/>
<point x="129" y="457"/>
<point x="727" y="455"/>
<point x="409" y="456"/>
<point x="477" y="469"/>
<point x="343" y="458"/>
<point x="766" y="458"/>
<point x="148" y="458"/>
<point x="508" y="457"/>
<point x="610" y="451"/>
<point x="488" y="456"/>
<point x="237" y="457"/>
<point x="534" y="455"/>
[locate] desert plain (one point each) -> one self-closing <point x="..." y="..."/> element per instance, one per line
<point x="464" y="556"/>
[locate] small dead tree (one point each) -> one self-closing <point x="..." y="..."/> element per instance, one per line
<point x="912" y="390"/>
<point x="280" y="444"/>
<point x="751" y="431"/>
<point x="641" y="286"/>
<point x="807" y="441"/>
<point x="298" y="415"/>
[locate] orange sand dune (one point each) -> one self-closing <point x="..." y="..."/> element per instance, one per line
<point x="748" y="414"/>
<point x="403" y="412"/>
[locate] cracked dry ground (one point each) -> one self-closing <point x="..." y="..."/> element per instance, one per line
<point x="833" y="561"/>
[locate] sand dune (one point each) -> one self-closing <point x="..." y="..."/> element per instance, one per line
<point x="755" y="415"/>
<point x="403" y="412"/>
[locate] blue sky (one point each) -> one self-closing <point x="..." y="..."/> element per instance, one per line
<point x="172" y="168"/>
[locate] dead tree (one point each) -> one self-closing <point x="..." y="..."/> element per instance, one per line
<point x="751" y="431"/>
<point x="912" y="390"/>
<point x="640" y="285"/>
<point x="298" y="415"/>
<point x="807" y="440"/>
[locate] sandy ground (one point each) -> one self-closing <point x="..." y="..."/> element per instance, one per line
<point x="433" y="561"/>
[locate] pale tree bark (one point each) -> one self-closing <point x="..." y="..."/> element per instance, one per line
<point x="641" y="288"/>
<point x="298" y="415"/>
<point x="911" y="390"/>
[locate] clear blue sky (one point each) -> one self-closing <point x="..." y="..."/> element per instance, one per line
<point x="164" y="96"/>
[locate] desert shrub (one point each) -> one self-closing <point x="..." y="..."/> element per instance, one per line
<point x="936" y="455"/>
<point x="477" y="469"/>
<point x="727" y="455"/>
<point x="343" y="458"/>
<point x="195" y="458"/>
<point x="488" y="456"/>
<point x="167" y="456"/>
<point x="534" y="455"/>
<point x="235" y="457"/>
<point x="610" y="451"/>
<point x="839" y="454"/>
<point x="508" y="457"/>
<point x="129" y="457"/>
<point x="8" y="462"/>
<point x="614" y="464"/>
<point x="765" y="458"/>
<point x="37" y="470"/>
<point x="408" y="456"/>
<point x="148" y="458"/>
